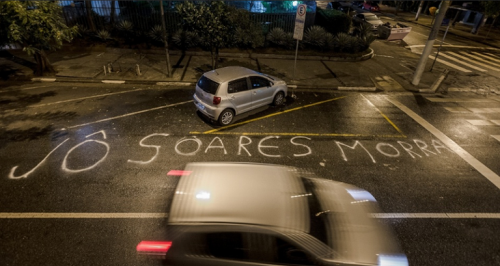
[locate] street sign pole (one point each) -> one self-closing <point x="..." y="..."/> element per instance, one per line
<point x="298" y="32"/>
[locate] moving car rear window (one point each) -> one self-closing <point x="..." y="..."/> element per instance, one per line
<point x="208" y="85"/>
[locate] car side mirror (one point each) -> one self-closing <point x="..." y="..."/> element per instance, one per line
<point x="271" y="84"/>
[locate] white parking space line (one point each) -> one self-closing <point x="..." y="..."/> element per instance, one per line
<point x="497" y="137"/>
<point x="162" y="215"/>
<point x="457" y="110"/>
<point x="472" y="61"/>
<point x="437" y="215"/>
<point x="487" y="57"/>
<point x="450" y="64"/>
<point x="77" y="215"/>
<point x="84" y="98"/>
<point x="480" y="167"/>
<point x="463" y="63"/>
<point x="130" y="114"/>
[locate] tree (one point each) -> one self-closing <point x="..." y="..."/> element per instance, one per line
<point x="491" y="9"/>
<point x="212" y="22"/>
<point x="37" y="26"/>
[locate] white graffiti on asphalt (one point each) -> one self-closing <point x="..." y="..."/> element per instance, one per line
<point x="191" y="146"/>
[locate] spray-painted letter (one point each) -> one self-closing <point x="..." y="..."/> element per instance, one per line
<point x="309" y="151"/>
<point x="157" y="147"/>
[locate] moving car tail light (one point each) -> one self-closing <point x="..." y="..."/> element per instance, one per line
<point x="154" y="247"/>
<point x="216" y="100"/>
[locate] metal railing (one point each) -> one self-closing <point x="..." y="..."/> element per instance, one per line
<point x="97" y="15"/>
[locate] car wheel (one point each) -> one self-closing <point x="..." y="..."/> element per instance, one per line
<point x="279" y="98"/>
<point x="226" y="117"/>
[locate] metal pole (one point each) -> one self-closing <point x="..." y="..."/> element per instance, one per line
<point x="295" y="63"/>
<point x="165" y="38"/>
<point x="419" y="10"/>
<point x="441" y="45"/>
<point x="419" y="70"/>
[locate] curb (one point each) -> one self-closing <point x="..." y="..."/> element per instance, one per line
<point x="182" y="83"/>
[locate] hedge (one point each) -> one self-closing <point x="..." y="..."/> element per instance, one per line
<point x="334" y="21"/>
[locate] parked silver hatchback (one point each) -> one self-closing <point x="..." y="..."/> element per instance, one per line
<point x="223" y="93"/>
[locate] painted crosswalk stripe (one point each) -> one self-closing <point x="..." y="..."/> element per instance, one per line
<point x="462" y="62"/>
<point x="472" y="61"/>
<point x="487" y="57"/>
<point x="489" y="63"/>
<point x="480" y="122"/>
<point x="484" y="110"/>
<point x="493" y="55"/>
<point x="450" y="64"/>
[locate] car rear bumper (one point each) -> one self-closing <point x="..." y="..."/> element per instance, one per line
<point x="206" y="110"/>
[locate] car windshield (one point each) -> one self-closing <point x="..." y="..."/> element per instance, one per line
<point x="371" y="17"/>
<point x="208" y="85"/>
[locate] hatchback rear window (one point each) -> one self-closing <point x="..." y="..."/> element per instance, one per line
<point x="208" y="85"/>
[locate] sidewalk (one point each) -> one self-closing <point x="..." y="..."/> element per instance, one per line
<point x="485" y="35"/>
<point x="114" y="65"/>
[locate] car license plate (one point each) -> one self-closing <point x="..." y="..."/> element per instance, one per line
<point x="201" y="106"/>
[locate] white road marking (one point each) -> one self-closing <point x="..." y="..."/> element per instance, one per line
<point x="480" y="122"/>
<point x="77" y="215"/>
<point x="130" y="114"/>
<point x="487" y="57"/>
<point x="84" y="98"/>
<point x="454" y="46"/>
<point x="484" y="110"/>
<point x="497" y="137"/>
<point x="456" y="100"/>
<point x="457" y="109"/>
<point x="496" y="122"/>
<point x="162" y="215"/>
<point x="480" y="59"/>
<point x="480" y="167"/>
<point x="472" y="61"/>
<point x="479" y="215"/>
<point x="113" y="81"/>
<point x="357" y="88"/>
<point x="463" y="63"/>
<point x="450" y="64"/>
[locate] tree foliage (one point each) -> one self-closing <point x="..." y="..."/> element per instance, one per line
<point x="212" y="22"/>
<point x="491" y="8"/>
<point x="37" y="26"/>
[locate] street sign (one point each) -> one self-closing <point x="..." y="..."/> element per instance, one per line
<point x="300" y="19"/>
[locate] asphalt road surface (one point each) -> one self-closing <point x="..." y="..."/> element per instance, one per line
<point x="84" y="167"/>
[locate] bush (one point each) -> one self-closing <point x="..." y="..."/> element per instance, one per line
<point x="103" y="35"/>
<point x="156" y="33"/>
<point x="315" y="37"/>
<point x="248" y="34"/>
<point x="334" y="21"/>
<point x="279" y="37"/>
<point x="185" y="39"/>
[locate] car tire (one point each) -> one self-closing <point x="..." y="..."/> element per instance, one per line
<point x="279" y="99"/>
<point x="226" y="117"/>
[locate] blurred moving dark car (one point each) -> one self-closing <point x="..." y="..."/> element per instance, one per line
<point x="371" y="6"/>
<point x="259" y="214"/>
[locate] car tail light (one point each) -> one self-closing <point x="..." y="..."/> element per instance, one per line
<point x="216" y="100"/>
<point x="154" y="247"/>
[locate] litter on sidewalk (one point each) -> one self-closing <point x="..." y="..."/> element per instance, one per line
<point x="393" y="32"/>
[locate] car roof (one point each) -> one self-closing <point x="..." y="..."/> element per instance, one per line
<point x="229" y="73"/>
<point x="368" y="14"/>
<point x="241" y="193"/>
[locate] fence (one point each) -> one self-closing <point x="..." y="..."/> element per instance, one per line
<point x="96" y="15"/>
